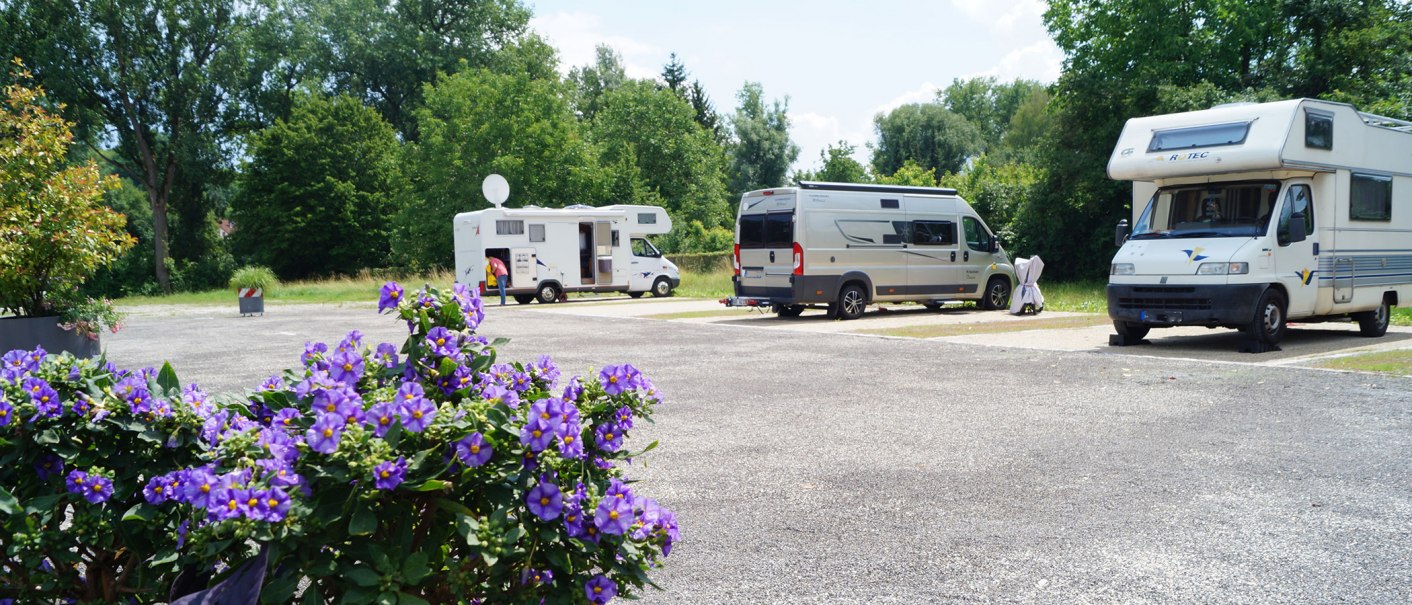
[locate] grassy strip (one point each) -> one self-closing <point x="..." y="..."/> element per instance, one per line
<point x="1398" y="362"/>
<point x="999" y="327"/>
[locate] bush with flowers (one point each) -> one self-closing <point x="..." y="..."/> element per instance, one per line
<point x="426" y="473"/>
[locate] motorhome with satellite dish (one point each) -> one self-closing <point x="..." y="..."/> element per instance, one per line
<point x="1247" y="216"/>
<point x="844" y="246"/>
<point x="553" y="251"/>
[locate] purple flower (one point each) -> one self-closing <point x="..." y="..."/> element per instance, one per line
<point x="544" y="370"/>
<point x="200" y="486"/>
<point x="6" y="411"/>
<point x="536" y="434"/>
<point x="279" y="473"/>
<point x="388" y="474"/>
<point x="196" y="399"/>
<point x="49" y="466"/>
<point x="496" y="395"/>
<point x="573" y="520"/>
<point x="618" y="489"/>
<point x="181" y="533"/>
<point x="623" y="418"/>
<point x="573" y="390"/>
<point x="534" y="577"/>
<point x="313" y="355"/>
<point x="617" y="379"/>
<point x="76" y="482"/>
<point x="608" y="437"/>
<point x="418" y="414"/>
<point x="227" y="504"/>
<point x="550" y="410"/>
<point x="387" y="355"/>
<point x="382" y="415"/>
<point x="346" y="367"/>
<point x="443" y="342"/>
<point x="15" y="364"/>
<point x="272" y="383"/>
<point x="324" y="435"/>
<point x="600" y="589"/>
<point x="473" y="451"/>
<point x="520" y="382"/>
<point x="45" y="398"/>
<point x="36" y="357"/>
<point x="158" y="489"/>
<point x="285" y="418"/>
<point x="545" y="500"/>
<point x="427" y="301"/>
<point x="390" y="296"/>
<point x="99" y="489"/>
<point x="351" y="343"/>
<point x="271" y="505"/>
<point x="614" y="515"/>
<point x="571" y="440"/>
<point x="472" y="309"/>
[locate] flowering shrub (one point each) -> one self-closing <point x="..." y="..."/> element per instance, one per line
<point x="425" y="473"/>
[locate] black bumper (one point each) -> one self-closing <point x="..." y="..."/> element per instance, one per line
<point x="802" y="290"/>
<point x="1171" y="305"/>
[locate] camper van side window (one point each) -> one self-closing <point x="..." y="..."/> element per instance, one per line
<point x="1215" y="135"/>
<point x="647" y="218"/>
<point x="536" y="233"/>
<point x="779" y="229"/>
<point x="1370" y="198"/>
<point x="1318" y="130"/>
<point x="509" y="227"/>
<point x="977" y="238"/>
<point x="934" y="233"/>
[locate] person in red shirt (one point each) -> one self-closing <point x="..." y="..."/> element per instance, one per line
<point x="496" y="275"/>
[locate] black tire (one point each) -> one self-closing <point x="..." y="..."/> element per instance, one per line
<point x="789" y="310"/>
<point x="635" y="294"/>
<point x="662" y="287"/>
<point x="932" y="306"/>
<point x="852" y="300"/>
<point x="548" y="293"/>
<point x="1131" y="331"/>
<point x="1374" y="323"/>
<point x="524" y="299"/>
<point x="1268" y="325"/>
<point x="997" y="294"/>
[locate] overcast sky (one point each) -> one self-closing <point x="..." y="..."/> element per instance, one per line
<point x="840" y="62"/>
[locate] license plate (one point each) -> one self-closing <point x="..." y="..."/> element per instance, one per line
<point x="753" y="273"/>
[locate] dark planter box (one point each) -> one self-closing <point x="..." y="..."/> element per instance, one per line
<point x="29" y="332"/>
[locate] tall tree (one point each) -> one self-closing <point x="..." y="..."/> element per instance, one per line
<point x="317" y="195"/>
<point x="476" y="123"/>
<point x="385" y="51"/>
<point x="674" y="75"/>
<point x="988" y="104"/>
<point x="678" y="160"/>
<point x="154" y="76"/>
<point x="838" y="166"/>
<point x="926" y="133"/>
<point x="762" y="152"/>
<point x="706" y="114"/>
<point x="591" y="82"/>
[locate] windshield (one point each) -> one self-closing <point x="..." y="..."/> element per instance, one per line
<point x="1208" y="210"/>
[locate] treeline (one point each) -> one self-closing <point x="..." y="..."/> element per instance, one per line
<point x="331" y="136"/>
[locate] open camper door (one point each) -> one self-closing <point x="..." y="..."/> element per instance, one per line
<point x="523" y="268"/>
<point x="603" y="252"/>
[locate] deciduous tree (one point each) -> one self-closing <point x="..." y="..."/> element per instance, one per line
<point x="761" y="152"/>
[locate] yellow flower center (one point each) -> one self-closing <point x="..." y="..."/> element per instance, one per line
<point x="328" y="432"/>
<point x="440" y="341"/>
<point x="205" y="488"/>
<point x="252" y="502"/>
<point x="157" y="489"/>
<point x="597" y="589"/>
<point x="394" y="295"/>
<point x="78" y="480"/>
<point x="348" y="366"/>
<point x="544" y="501"/>
<point x="384" y="421"/>
<point x="408" y="396"/>
<point x="612" y="380"/>
<point x="544" y="415"/>
<point x="45" y="399"/>
<point x="232" y="505"/>
<point x="475" y="449"/>
<point x="568" y="438"/>
<point x="607" y="436"/>
<point x="272" y="502"/>
<point x="385" y="474"/>
<point x="612" y="514"/>
<point x="537" y="433"/>
<point x="330" y="407"/>
<point x="4" y="413"/>
<point x="417" y="415"/>
<point x="97" y="487"/>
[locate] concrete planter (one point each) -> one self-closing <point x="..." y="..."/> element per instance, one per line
<point x="252" y="301"/>
<point x="30" y="332"/>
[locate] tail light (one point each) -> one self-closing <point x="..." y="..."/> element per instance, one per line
<point x="798" y="259"/>
<point x="735" y="260"/>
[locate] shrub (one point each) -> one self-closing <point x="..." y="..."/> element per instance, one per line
<point x="253" y="277"/>
<point x="429" y="473"/>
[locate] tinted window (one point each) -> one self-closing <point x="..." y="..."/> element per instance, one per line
<point x="1318" y="130"/>
<point x="773" y="230"/>
<point x="536" y="233"/>
<point x="509" y="227"/>
<point x="934" y="233"/>
<point x="1297" y="200"/>
<point x="977" y="238"/>
<point x="1370" y="198"/>
<point x="1215" y="135"/>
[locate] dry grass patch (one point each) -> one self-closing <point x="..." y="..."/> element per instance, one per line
<point x="700" y="314"/>
<point x="993" y="327"/>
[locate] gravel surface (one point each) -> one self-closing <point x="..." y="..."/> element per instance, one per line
<point x="835" y="468"/>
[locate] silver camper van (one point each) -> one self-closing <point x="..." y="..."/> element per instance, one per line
<point x="844" y="246"/>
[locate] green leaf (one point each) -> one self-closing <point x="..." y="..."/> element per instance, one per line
<point x="363" y="523"/>
<point x="650" y="447"/>
<point x="387" y="597"/>
<point x="41" y="504"/>
<point x="431" y="485"/>
<point x="167" y="379"/>
<point x="414" y="568"/>
<point x="514" y="535"/>
<point x="363" y="576"/>
<point x="140" y="512"/>
<point x="394" y="434"/>
<point x="454" y="506"/>
<point x="47" y="437"/>
<point x="408" y="599"/>
<point x="8" y="504"/>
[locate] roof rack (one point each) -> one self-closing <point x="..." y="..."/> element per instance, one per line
<point x="1373" y="119"/>
<point x="876" y="188"/>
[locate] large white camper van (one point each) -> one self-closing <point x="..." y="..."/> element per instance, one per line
<point x="1255" y="214"/>
<point x="551" y="251"/>
<point x="846" y="245"/>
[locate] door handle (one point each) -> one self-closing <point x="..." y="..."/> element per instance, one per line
<point x="966" y="256"/>
<point x="772" y="256"/>
<point x="953" y="256"/>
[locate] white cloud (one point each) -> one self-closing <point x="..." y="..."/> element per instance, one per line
<point x="925" y="93"/>
<point x="578" y="34"/>
<point x="814" y="132"/>
<point x="1002" y="15"/>
<point x="1039" y="61"/>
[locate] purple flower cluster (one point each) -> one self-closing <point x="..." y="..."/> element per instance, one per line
<point x="619" y="379"/>
<point x="246" y="493"/>
<point x="94" y="488"/>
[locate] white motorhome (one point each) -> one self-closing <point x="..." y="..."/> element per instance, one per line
<point x="552" y="251"/>
<point x="846" y="245"/>
<point x="1255" y="214"/>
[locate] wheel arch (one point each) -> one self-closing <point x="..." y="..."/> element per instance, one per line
<point x="856" y="277"/>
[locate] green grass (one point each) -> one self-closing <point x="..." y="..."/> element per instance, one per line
<point x="1385" y="362"/>
<point x="713" y="284"/>
<point x="360" y="288"/>
<point x="999" y="327"/>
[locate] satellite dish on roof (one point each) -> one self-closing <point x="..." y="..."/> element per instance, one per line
<point x="496" y="189"/>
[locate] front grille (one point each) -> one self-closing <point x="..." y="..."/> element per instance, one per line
<point x="1164" y="298"/>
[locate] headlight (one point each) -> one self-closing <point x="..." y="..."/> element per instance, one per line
<point x="1121" y="269"/>
<point x="1223" y="269"/>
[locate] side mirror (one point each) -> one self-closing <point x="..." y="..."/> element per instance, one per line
<point x="1298" y="232"/>
<point x="994" y="245"/>
<point x="1120" y="234"/>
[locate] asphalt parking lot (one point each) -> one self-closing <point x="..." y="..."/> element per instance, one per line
<point x="812" y="464"/>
